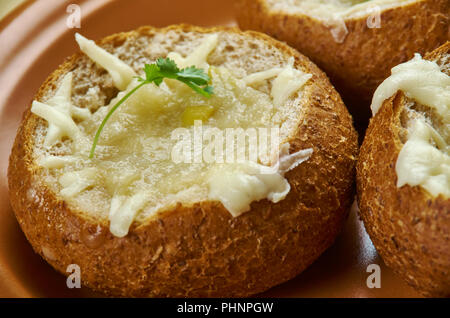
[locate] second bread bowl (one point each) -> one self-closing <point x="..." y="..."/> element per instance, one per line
<point x="404" y="172"/>
<point x="355" y="42"/>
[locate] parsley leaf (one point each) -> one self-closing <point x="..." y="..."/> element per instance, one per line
<point x="193" y="77"/>
<point x="167" y="66"/>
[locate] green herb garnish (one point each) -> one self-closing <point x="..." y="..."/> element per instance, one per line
<point x="193" y="77"/>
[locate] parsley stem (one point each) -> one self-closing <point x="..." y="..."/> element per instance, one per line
<point x="111" y="111"/>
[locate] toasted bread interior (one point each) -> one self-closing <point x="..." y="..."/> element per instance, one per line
<point x="416" y="111"/>
<point x="413" y="110"/>
<point x="133" y="167"/>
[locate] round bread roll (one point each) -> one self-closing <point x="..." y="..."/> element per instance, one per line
<point x="181" y="240"/>
<point x="355" y="42"/>
<point x="403" y="175"/>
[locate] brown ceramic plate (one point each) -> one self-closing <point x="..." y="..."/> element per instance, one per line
<point x="34" y="40"/>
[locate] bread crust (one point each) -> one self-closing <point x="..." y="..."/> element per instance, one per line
<point x="199" y="250"/>
<point x="358" y="65"/>
<point x="409" y="227"/>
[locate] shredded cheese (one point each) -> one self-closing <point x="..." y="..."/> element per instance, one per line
<point x="200" y="54"/>
<point x="121" y="73"/>
<point x="288" y="82"/>
<point x="62" y="123"/>
<point x="236" y="186"/>
<point x="56" y="162"/>
<point x="262" y="76"/>
<point x="123" y="212"/>
<point x="58" y="111"/>
<point x="421" y="164"/>
<point x="75" y="182"/>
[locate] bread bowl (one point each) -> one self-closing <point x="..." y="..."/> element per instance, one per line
<point x="182" y="243"/>
<point x="403" y="175"/>
<point x="355" y="42"/>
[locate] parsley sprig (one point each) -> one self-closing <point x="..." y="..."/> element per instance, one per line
<point x="193" y="77"/>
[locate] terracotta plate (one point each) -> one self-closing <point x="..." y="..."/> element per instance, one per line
<point x="34" y="40"/>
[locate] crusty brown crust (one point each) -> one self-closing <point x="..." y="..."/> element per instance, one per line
<point x="358" y="65"/>
<point x="409" y="227"/>
<point x="200" y="250"/>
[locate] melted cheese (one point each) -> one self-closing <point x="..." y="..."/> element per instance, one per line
<point x="56" y="162"/>
<point x="236" y="186"/>
<point x="200" y="54"/>
<point x="420" y="80"/>
<point x="288" y="82"/>
<point x="62" y="122"/>
<point x="334" y="13"/>
<point x="75" y="182"/>
<point x="58" y="111"/>
<point x="422" y="164"/>
<point x="287" y="162"/>
<point x="326" y="10"/>
<point x="262" y="76"/>
<point x="423" y="160"/>
<point x="121" y="73"/>
<point x="123" y="212"/>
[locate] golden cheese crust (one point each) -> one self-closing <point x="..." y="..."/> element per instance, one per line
<point x="358" y="65"/>
<point x="200" y="250"/>
<point x="409" y="227"/>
